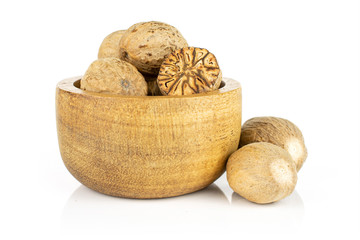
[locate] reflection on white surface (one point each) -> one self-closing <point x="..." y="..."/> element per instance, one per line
<point x="206" y="212"/>
<point x="288" y="211"/>
<point x="87" y="209"/>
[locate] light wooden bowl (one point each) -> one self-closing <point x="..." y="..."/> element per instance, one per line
<point x="147" y="147"/>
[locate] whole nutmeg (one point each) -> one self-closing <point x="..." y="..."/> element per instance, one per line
<point x="261" y="172"/>
<point x="189" y="70"/>
<point x="110" y="46"/>
<point x="114" y="76"/>
<point x="278" y="131"/>
<point x="146" y="44"/>
<point x="153" y="88"/>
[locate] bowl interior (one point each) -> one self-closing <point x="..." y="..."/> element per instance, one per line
<point x="77" y="84"/>
<point x="73" y="85"/>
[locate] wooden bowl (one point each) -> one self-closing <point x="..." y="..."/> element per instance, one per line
<point x="150" y="146"/>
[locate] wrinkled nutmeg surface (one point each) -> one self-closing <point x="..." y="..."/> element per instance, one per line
<point x="189" y="70"/>
<point x="146" y="44"/>
<point x="110" y="46"/>
<point x="114" y="76"/>
<point x="278" y="131"/>
<point x="261" y="172"/>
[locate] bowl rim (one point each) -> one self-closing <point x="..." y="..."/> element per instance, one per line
<point x="68" y="85"/>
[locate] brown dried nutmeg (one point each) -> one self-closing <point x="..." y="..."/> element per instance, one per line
<point x="146" y="44"/>
<point x="110" y="46"/>
<point x="114" y="76"/>
<point x="189" y="70"/>
<point x="278" y="131"/>
<point x="261" y="172"/>
<point x="153" y="88"/>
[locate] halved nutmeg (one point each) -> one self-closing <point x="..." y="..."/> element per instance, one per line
<point x="189" y="70"/>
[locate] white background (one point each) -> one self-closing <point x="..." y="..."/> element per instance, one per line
<point x="295" y="59"/>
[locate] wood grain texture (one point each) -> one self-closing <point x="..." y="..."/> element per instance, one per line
<point x="148" y="146"/>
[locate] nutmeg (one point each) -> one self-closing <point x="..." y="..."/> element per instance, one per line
<point x="261" y="172"/>
<point x="146" y="44"/>
<point x="189" y="70"/>
<point x="278" y="131"/>
<point x="110" y="46"/>
<point x="114" y="76"/>
<point x="153" y="88"/>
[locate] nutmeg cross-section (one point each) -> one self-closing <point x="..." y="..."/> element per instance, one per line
<point x="189" y="70"/>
